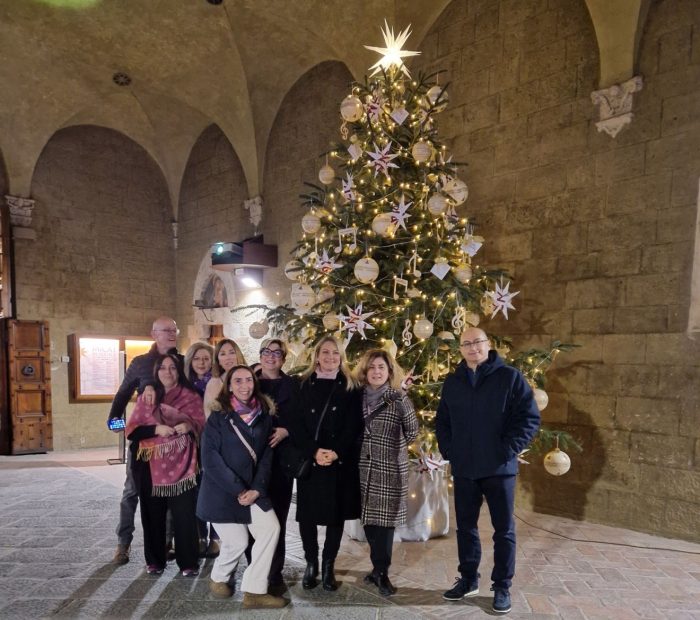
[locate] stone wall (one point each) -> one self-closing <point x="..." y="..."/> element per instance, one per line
<point x="213" y="191"/>
<point x="102" y="261"/>
<point x="211" y="209"/>
<point x="598" y="234"/>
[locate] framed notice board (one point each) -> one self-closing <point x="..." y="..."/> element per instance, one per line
<point x="97" y="364"/>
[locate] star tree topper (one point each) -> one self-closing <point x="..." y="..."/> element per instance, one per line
<point x="355" y="322"/>
<point x="392" y="54"/>
<point x="502" y="299"/>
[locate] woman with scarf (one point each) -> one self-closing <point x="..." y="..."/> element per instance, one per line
<point x="237" y="460"/>
<point x="227" y="354"/>
<point x="164" y="436"/>
<point x="390" y="426"/>
<point x="327" y="429"/>
<point x="198" y="365"/>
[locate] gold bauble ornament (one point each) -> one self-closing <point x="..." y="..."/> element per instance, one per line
<point x="463" y="272"/>
<point x="366" y="270"/>
<point x="541" y="398"/>
<point x="487" y="304"/>
<point x="423" y="328"/>
<point x="326" y="174"/>
<point x="351" y="109"/>
<point x="303" y="297"/>
<point x="421" y="152"/>
<point x="437" y="204"/>
<point x="311" y="223"/>
<point x="330" y="321"/>
<point x="557" y="462"/>
<point x="258" y="329"/>
<point x="293" y="269"/>
<point x="382" y="224"/>
<point x="326" y="294"/>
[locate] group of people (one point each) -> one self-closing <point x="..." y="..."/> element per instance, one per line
<point x="215" y="446"/>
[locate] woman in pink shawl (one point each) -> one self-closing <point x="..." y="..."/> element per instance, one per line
<point x="165" y="436"/>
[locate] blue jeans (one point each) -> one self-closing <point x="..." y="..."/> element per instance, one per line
<point x="128" y="504"/>
<point x="499" y="492"/>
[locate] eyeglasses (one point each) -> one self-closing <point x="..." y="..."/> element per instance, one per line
<point x="168" y="331"/>
<point x="468" y="345"/>
<point x="275" y="353"/>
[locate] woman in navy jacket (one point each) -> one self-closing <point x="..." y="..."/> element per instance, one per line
<point x="237" y="459"/>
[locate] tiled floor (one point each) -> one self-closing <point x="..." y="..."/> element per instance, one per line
<point x="58" y="513"/>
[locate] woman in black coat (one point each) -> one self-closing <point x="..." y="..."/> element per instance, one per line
<point x="331" y="493"/>
<point x="284" y="392"/>
<point x="237" y="460"/>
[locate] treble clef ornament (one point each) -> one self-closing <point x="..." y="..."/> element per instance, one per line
<point x="406" y="334"/>
<point x="459" y="320"/>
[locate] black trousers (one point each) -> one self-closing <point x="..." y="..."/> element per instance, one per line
<point x="499" y="492"/>
<point x="381" y="542"/>
<point x="309" y="539"/>
<point x="280" y="492"/>
<point x="153" y="518"/>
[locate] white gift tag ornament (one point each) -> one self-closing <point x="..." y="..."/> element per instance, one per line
<point x="441" y="268"/>
<point x="399" y="115"/>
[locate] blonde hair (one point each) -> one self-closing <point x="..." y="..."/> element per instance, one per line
<point x="279" y="342"/>
<point x="191" y="352"/>
<point x="216" y="370"/>
<point x="344" y="367"/>
<point x="396" y="373"/>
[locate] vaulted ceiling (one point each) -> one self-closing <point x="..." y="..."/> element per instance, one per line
<point x="192" y="63"/>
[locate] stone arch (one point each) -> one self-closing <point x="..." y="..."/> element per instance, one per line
<point x="211" y="209"/>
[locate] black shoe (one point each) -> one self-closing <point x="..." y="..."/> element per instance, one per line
<point x="462" y="588"/>
<point x="372" y="578"/>
<point x="328" y="575"/>
<point x="501" y="600"/>
<point x="309" y="580"/>
<point x="386" y="588"/>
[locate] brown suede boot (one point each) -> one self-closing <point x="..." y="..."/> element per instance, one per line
<point x="263" y="601"/>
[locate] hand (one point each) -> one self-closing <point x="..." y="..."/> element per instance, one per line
<point x="408" y="381"/>
<point x="325" y="457"/>
<point x="278" y="435"/>
<point x="164" y="431"/>
<point x="248" y="498"/>
<point x="149" y="395"/>
<point x="182" y="428"/>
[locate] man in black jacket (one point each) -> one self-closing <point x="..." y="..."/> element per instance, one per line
<point x="138" y="376"/>
<point x="487" y="415"/>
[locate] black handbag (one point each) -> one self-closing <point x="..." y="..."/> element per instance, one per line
<point x="294" y="463"/>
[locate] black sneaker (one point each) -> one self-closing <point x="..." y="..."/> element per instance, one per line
<point x="462" y="588"/>
<point x="501" y="600"/>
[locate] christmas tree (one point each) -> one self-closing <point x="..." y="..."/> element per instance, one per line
<point x="385" y="259"/>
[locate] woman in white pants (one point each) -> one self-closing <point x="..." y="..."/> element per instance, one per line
<point x="233" y="496"/>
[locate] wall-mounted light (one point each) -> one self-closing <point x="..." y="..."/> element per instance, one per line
<point x="249" y="277"/>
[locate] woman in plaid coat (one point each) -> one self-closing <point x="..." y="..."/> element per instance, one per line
<point x="390" y="426"/>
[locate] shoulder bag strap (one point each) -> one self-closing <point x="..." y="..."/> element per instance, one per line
<point x="244" y="442"/>
<point x="325" y="408"/>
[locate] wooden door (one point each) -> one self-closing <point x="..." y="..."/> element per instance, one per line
<point x="29" y="366"/>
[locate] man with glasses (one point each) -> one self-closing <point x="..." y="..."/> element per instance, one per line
<point x="138" y="376"/>
<point x="487" y="415"/>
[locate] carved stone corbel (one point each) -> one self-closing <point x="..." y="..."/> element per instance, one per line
<point x="615" y="105"/>
<point x="21" y="216"/>
<point x="254" y="207"/>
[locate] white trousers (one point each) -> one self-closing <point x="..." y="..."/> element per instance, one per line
<point x="234" y="539"/>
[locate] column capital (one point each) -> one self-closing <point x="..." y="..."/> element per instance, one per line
<point x="21" y="210"/>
